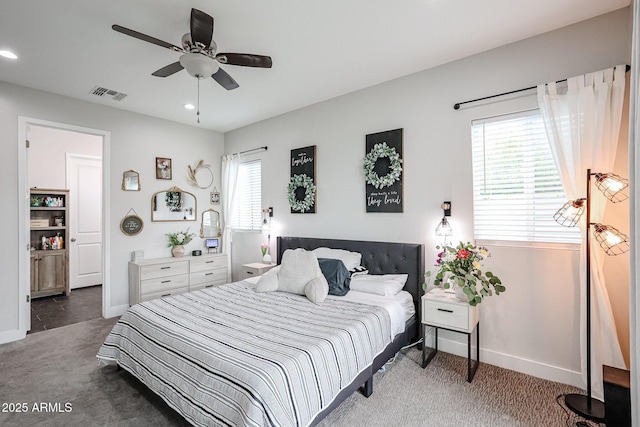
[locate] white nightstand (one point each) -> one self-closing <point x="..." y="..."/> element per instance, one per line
<point x="254" y="269"/>
<point x="442" y="310"/>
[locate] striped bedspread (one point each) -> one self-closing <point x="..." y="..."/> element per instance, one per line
<point x="230" y="356"/>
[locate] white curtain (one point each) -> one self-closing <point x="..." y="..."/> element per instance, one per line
<point x="230" y="164"/>
<point x="583" y="124"/>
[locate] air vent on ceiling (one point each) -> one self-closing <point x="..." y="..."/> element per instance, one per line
<point x="105" y="93"/>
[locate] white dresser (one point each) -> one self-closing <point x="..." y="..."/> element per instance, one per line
<point x="161" y="277"/>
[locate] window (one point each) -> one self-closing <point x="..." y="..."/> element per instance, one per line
<point x="516" y="185"/>
<point x="248" y="215"/>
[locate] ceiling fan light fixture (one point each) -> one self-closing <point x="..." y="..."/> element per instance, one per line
<point x="199" y="65"/>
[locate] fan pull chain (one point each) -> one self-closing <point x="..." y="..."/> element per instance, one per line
<point x="198" y="113"/>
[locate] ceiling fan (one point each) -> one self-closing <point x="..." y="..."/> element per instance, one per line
<point x="199" y="52"/>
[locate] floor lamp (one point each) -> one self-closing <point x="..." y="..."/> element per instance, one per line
<point x="614" y="243"/>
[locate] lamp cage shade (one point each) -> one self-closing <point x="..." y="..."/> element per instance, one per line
<point x="612" y="186"/>
<point x="444" y="228"/>
<point x="610" y="239"/>
<point x="569" y="215"/>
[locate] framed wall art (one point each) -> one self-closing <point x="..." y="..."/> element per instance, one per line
<point x="302" y="184"/>
<point x="383" y="171"/>
<point x="163" y="168"/>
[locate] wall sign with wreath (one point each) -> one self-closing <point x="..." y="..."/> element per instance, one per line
<point x="383" y="171"/>
<point x="302" y="185"/>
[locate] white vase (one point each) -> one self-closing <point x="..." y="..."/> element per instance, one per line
<point x="266" y="258"/>
<point x="461" y="295"/>
<point x="177" y="251"/>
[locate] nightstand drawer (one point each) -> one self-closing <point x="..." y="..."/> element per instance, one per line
<point x="164" y="269"/>
<point x="446" y="315"/>
<point x="163" y="283"/>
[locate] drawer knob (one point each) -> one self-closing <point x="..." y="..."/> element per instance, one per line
<point x="445" y="310"/>
<point x="165" y="295"/>
<point x="208" y="274"/>
<point x="166" y="281"/>
<point x="164" y="268"/>
<point x="209" y="262"/>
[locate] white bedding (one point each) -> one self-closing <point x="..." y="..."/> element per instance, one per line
<point x="230" y="356"/>
<point x="400" y="306"/>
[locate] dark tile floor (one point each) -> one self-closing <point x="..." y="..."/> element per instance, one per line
<point x="61" y="310"/>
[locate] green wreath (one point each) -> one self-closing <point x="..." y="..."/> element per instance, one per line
<point x="395" y="168"/>
<point x="305" y="182"/>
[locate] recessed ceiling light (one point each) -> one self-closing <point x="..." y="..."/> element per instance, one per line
<point x="8" y="54"/>
<point x="189" y="106"/>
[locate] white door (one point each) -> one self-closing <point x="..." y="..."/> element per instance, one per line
<point x="84" y="181"/>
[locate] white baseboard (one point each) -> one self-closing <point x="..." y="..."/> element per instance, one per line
<point x="10" y="336"/>
<point x="115" y="311"/>
<point x="507" y="361"/>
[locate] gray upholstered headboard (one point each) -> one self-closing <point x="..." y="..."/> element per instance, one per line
<point x="377" y="257"/>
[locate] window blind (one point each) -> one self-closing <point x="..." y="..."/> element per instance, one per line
<point x="516" y="185"/>
<point x="248" y="215"/>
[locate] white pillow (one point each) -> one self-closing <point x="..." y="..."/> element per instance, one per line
<point x="317" y="289"/>
<point x="297" y="268"/>
<point x="379" y="284"/>
<point x="351" y="260"/>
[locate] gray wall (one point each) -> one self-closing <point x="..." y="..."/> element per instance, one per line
<point x="135" y="141"/>
<point x="533" y="327"/>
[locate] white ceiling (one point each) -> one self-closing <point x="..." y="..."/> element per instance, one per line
<point x="320" y="49"/>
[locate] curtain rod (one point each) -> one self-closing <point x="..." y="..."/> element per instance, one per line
<point x="253" y="149"/>
<point x="457" y="106"/>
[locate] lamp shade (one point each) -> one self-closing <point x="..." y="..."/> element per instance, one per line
<point x="569" y="214"/>
<point x="610" y="239"/>
<point x="199" y="65"/>
<point x="444" y="228"/>
<point x="612" y="186"/>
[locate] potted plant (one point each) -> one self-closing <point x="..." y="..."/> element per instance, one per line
<point x="178" y="240"/>
<point x="460" y="267"/>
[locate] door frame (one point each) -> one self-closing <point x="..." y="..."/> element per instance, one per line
<point x="24" y="277"/>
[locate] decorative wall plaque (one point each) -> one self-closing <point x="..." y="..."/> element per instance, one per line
<point x="302" y="185"/>
<point x="383" y="171"/>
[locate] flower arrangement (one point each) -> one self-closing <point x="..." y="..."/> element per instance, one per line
<point x="264" y="248"/>
<point x="181" y="238"/>
<point x="460" y="266"/>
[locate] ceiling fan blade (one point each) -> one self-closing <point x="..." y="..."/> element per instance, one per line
<point x="245" y="59"/>
<point x="225" y="80"/>
<point x="201" y="28"/>
<point x="168" y="70"/>
<point x="145" y="37"/>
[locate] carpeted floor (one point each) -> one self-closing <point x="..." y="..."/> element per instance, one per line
<point x="52" y="378"/>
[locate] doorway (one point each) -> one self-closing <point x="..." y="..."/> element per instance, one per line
<point x="73" y="158"/>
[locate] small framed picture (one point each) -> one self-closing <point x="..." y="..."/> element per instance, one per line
<point x="163" y="168"/>
<point x="215" y="197"/>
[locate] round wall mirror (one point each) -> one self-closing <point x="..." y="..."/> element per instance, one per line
<point x="210" y="226"/>
<point x="173" y="204"/>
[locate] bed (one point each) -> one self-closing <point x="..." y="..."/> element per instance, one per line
<point x="232" y="356"/>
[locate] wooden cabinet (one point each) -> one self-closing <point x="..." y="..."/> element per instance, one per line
<point x="162" y="277"/>
<point x="48" y="241"/>
<point x="442" y="310"/>
<point x="255" y="269"/>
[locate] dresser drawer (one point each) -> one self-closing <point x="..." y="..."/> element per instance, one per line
<point x="208" y="263"/>
<point x="205" y="285"/>
<point x="161" y="284"/>
<point x="162" y="294"/>
<point x="451" y="316"/>
<point x="216" y="275"/>
<point x="164" y="269"/>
